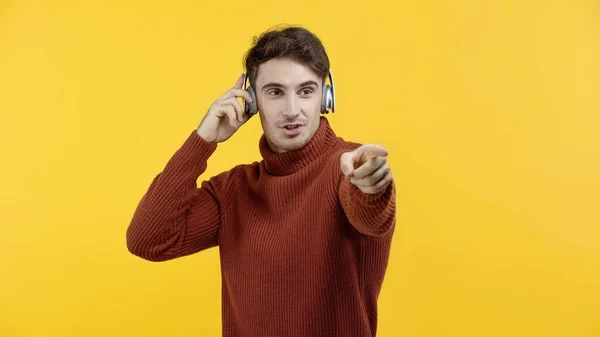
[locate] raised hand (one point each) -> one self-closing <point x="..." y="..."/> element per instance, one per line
<point x="225" y="115"/>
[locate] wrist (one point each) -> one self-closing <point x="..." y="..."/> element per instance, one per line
<point x="204" y="137"/>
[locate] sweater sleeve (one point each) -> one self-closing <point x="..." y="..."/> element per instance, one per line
<point x="174" y="217"/>
<point x="371" y="214"/>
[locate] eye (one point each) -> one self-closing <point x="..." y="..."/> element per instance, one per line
<point x="274" y="92"/>
<point x="306" y="91"/>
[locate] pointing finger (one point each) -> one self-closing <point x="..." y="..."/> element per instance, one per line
<point x="372" y="150"/>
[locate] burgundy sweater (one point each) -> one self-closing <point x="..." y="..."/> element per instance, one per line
<point x="303" y="251"/>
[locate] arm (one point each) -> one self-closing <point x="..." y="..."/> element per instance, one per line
<point x="176" y="218"/>
<point x="371" y="214"/>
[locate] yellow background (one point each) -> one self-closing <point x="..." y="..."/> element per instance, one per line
<point x="490" y="111"/>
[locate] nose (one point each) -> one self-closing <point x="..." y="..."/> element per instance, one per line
<point x="291" y="110"/>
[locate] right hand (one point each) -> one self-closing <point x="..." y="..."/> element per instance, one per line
<point x="225" y="115"/>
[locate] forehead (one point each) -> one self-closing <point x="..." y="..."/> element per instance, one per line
<point x="286" y="71"/>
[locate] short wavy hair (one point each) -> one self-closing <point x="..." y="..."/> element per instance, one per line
<point x="295" y="42"/>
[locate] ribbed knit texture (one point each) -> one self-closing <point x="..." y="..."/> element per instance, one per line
<point x="303" y="251"/>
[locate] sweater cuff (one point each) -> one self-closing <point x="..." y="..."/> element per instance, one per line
<point x="371" y="214"/>
<point x="355" y="193"/>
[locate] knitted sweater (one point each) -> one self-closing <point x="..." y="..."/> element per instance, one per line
<point x="303" y="251"/>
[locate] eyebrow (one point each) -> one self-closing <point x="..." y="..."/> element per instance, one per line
<point x="279" y="85"/>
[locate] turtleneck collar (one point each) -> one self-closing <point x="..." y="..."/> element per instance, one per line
<point x="291" y="161"/>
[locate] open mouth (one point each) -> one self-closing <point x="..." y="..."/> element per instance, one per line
<point x="292" y="129"/>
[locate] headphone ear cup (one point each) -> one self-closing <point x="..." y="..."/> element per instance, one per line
<point x="327" y="100"/>
<point x="252" y="107"/>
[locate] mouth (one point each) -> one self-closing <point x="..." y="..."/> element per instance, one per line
<point x="292" y="128"/>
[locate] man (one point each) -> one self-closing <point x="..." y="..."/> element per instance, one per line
<point x="304" y="235"/>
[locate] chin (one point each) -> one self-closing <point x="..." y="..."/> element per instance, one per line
<point x="290" y="144"/>
<point x="281" y="144"/>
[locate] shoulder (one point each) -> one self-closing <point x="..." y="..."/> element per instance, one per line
<point x="234" y="176"/>
<point x="333" y="162"/>
<point x="241" y="171"/>
<point x="343" y="146"/>
<point x="227" y="184"/>
<point x="245" y="171"/>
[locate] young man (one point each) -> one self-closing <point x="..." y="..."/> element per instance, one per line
<point x="304" y="235"/>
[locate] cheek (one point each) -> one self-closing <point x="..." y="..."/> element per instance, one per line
<point x="269" y="106"/>
<point x="266" y="109"/>
<point x="312" y="105"/>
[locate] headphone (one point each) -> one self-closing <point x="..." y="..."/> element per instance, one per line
<point x="327" y="101"/>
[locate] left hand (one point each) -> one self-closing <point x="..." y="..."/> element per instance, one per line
<point x="367" y="168"/>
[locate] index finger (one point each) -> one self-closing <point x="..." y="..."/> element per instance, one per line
<point x="373" y="150"/>
<point x="235" y="92"/>
<point x="240" y="81"/>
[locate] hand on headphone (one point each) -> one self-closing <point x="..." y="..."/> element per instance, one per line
<point x="225" y="115"/>
<point x="367" y="168"/>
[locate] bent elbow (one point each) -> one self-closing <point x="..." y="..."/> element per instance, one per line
<point x="141" y="248"/>
<point x="136" y="248"/>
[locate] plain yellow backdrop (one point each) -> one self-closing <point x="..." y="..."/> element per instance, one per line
<point x="490" y="111"/>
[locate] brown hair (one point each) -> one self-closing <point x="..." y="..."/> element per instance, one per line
<point x="294" y="42"/>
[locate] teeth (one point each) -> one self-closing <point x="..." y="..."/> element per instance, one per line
<point x="290" y="127"/>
